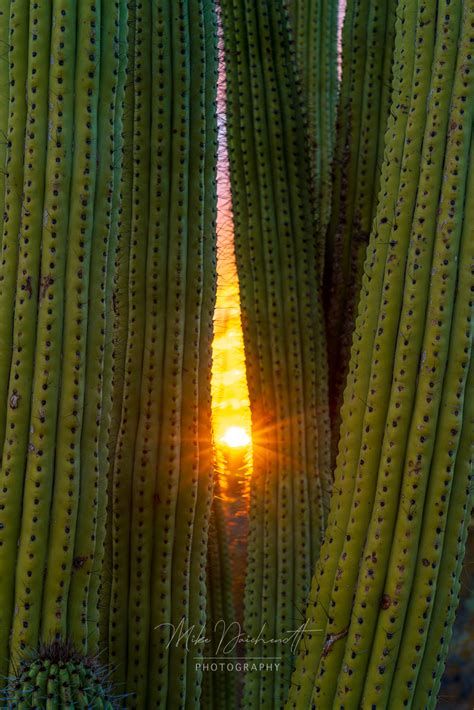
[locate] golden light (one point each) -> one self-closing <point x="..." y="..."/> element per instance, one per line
<point x="236" y="437"/>
<point x="230" y="398"/>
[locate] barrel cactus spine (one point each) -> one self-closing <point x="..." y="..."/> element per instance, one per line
<point x="57" y="676"/>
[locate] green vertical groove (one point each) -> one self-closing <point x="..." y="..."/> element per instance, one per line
<point x="314" y="24"/>
<point x="178" y="472"/>
<point x="114" y="357"/>
<point x="81" y="615"/>
<point x="447" y="595"/>
<point x="17" y="107"/>
<point x="391" y="483"/>
<point x="198" y="568"/>
<point x="127" y="305"/>
<point x="18" y="401"/>
<point x="67" y="482"/>
<point x="457" y="519"/>
<point x="139" y="287"/>
<point x="162" y="468"/>
<point x="442" y="375"/>
<point x="314" y="357"/>
<point x="447" y="449"/>
<point x="148" y="436"/>
<point x="11" y="493"/>
<point x="184" y="291"/>
<point x="49" y="288"/>
<point x="4" y="96"/>
<point x="409" y="346"/>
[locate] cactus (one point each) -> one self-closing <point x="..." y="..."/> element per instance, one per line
<point x="283" y="327"/>
<point x="402" y="461"/>
<point x="364" y="103"/>
<point x="219" y="687"/>
<point x="162" y="475"/>
<point x="314" y="28"/>
<point x="57" y="676"/>
<point x="61" y="215"/>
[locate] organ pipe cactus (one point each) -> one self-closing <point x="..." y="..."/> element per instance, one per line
<point x="162" y="477"/>
<point x="364" y="102"/>
<point x="283" y="327"/>
<point x="107" y="311"/>
<point x="219" y="687"/>
<point x="314" y="28"/>
<point x="379" y="630"/>
<point x="57" y="208"/>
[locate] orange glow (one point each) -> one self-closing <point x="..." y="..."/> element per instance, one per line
<point x="230" y="399"/>
<point x="236" y="437"/>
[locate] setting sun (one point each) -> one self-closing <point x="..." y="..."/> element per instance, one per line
<point x="236" y="437"/>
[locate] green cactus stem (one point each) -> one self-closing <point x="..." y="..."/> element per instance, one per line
<point x="162" y="469"/>
<point x="314" y="25"/>
<point x="371" y="623"/>
<point x="52" y="497"/>
<point x="58" y="676"/>
<point x="364" y="102"/>
<point x="220" y="686"/>
<point x="283" y="326"/>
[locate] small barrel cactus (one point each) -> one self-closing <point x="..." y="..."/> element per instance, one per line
<point x="58" y="676"/>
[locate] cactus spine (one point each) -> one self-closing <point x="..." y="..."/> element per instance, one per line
<point x="392" y="479"/>
<point x="283" y="328"/>
<point x="58" y="677"/>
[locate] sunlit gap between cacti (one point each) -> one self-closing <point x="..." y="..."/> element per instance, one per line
<point x="230" y="398"/>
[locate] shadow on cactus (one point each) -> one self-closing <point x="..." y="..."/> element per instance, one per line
<point x="58" y="676"/>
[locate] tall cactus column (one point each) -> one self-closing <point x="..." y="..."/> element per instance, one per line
<point x="283" y="327"/>
<point x="162" y="478"/>
<point x="61" y="117"/>
<point x="314" y="26"/>
<point x="363" y="110"/>
<point x="384" y="592"/>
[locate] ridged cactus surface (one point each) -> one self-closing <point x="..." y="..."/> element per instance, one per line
<point x="384" y="591"/>
<point x="163" y="475"/>
<point x="314" y="26"/>
<point x="362" y="115"/>
<point x="60" y="175"/>
<point x="283" y="327"/>
<point x="107" y="286"/>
